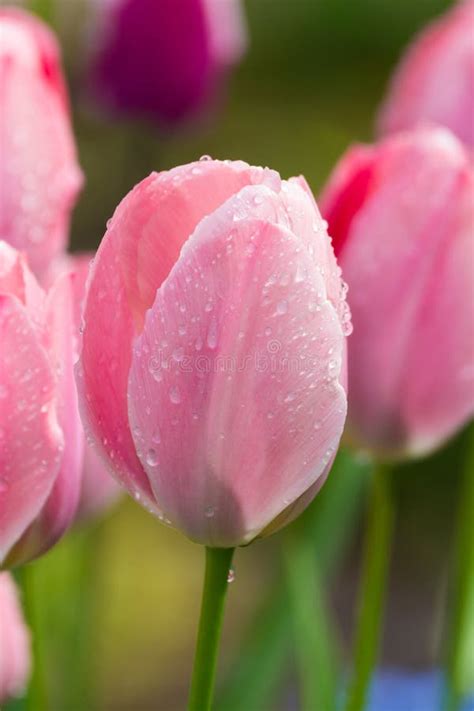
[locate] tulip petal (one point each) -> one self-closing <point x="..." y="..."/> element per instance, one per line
<point x="15" y="654"/>
<point x="439" y="381"/>
<point x="39" y="174"/>
<point x="61" y="505"/>
<point x="435" y="79"/>
<point x="143" y="241"/>
<point x="31" y="441"/>
<point x="391" y="261"/>
<point x="234" y="394"/>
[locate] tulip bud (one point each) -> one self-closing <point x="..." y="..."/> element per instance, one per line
<point x="160" y="60"/>
<point x="40" y="440"/>
<point x="15" y="653"/>
<point x="401" y="217"/>
<point x="39" y="175"/>
<point x="435" y="79"/>
<point x="213" y="355"/>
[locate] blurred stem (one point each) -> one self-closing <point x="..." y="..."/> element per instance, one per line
<point x="372" y="588"/>
<point x="37" y="693"/>
<point x="311" y="630"/>
<point x="461" y="657"/>
<point x="218" y="561"/>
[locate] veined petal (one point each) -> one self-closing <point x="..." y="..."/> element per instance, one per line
<point x="239" y="358"/>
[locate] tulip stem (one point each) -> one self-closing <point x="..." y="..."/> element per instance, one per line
<point x="372" y="588"/>
<point x="313" y="635"/>
<point x="461" y="652"/>
<point x="218" y="561"/>
<point x="37" y="693"/>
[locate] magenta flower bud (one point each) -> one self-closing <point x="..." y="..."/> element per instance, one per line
<point x="401" y="217"/>
<point x="40" y="430"/>
<point x="435" y="80"/>
<point x="163" y="60"/>
<point x="15" y="654"/>
<point x="39" y="174"/>
<point x="213" y="355"/>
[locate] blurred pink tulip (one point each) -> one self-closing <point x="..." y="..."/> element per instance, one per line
<point x="99" y="490"/>
<point x="213" y="353"/>
<point x="40" y="435"/>
<point x="435" y="80"/>
<point x="160" y="61"/>
<point x="39" y="175"/>
<point x="401" y="217"/>
<point x="15" y="655"/>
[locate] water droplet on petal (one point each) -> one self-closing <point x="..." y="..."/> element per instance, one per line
<point x="175" y="395"/>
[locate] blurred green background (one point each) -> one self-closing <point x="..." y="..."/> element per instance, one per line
<point x="310" y="84"/>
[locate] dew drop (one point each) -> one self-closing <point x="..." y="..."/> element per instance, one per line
<point x="152" y="458"/>
<point x="175" y="395"/>
<point x="282" y="307"/>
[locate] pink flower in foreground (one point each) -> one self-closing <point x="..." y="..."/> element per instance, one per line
<point x="40" y="431"/>
<point x="401" y="215"/>
<point x="435" y="80"/>
<point x="212" y="366"/>
<point x="39" y="175"/>
<point x="15" y="656"/>
<point x="163" y="60"/>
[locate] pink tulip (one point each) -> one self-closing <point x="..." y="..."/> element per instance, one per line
<point x="99" y="490"/>
<point x="435" y="80"/>
<point x="401" y="217"/>
<point x="15" y="656"/>
<point x="160" y="61"/>
<point x="40" y="442"/>
<point x="39" y="175"/>
<point x="213" y="353"/>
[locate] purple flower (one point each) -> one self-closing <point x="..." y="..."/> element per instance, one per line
<point x="163" y="60"/>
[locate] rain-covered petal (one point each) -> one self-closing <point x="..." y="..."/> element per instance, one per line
<point x="142" y="242"/>
<point x="31" y="441"/>
<point x="240" y="359"/>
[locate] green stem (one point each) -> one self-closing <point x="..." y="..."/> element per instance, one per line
<point x="461" y="652"/>
<point x="372" y="588"/>
<point x="314" y="638"/>
<point x="218" y="561"/>
<point x="37" y="693"/>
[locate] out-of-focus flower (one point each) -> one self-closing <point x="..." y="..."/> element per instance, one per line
<point x="15" y="658"/>
<point x="435" y="80"/>
<point x="163" y="60"/>
<point x="401" y="217"/>
<point x="393" y="690"/>
<point x="99" y="490"/>
<point x="40" y="430"/>
<point x="39" y="174"/>
<point x="213" y="352"/>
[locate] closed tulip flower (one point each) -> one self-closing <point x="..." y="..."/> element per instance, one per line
<point x="401" y="217"/>
<point x="162" y="60"/>
<point x="39" y="175"/>
<point x="212" y="367"/>
<point x="40" y="441"/>
<point x="15" y="654"/>
<point x="435" y="79"/>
